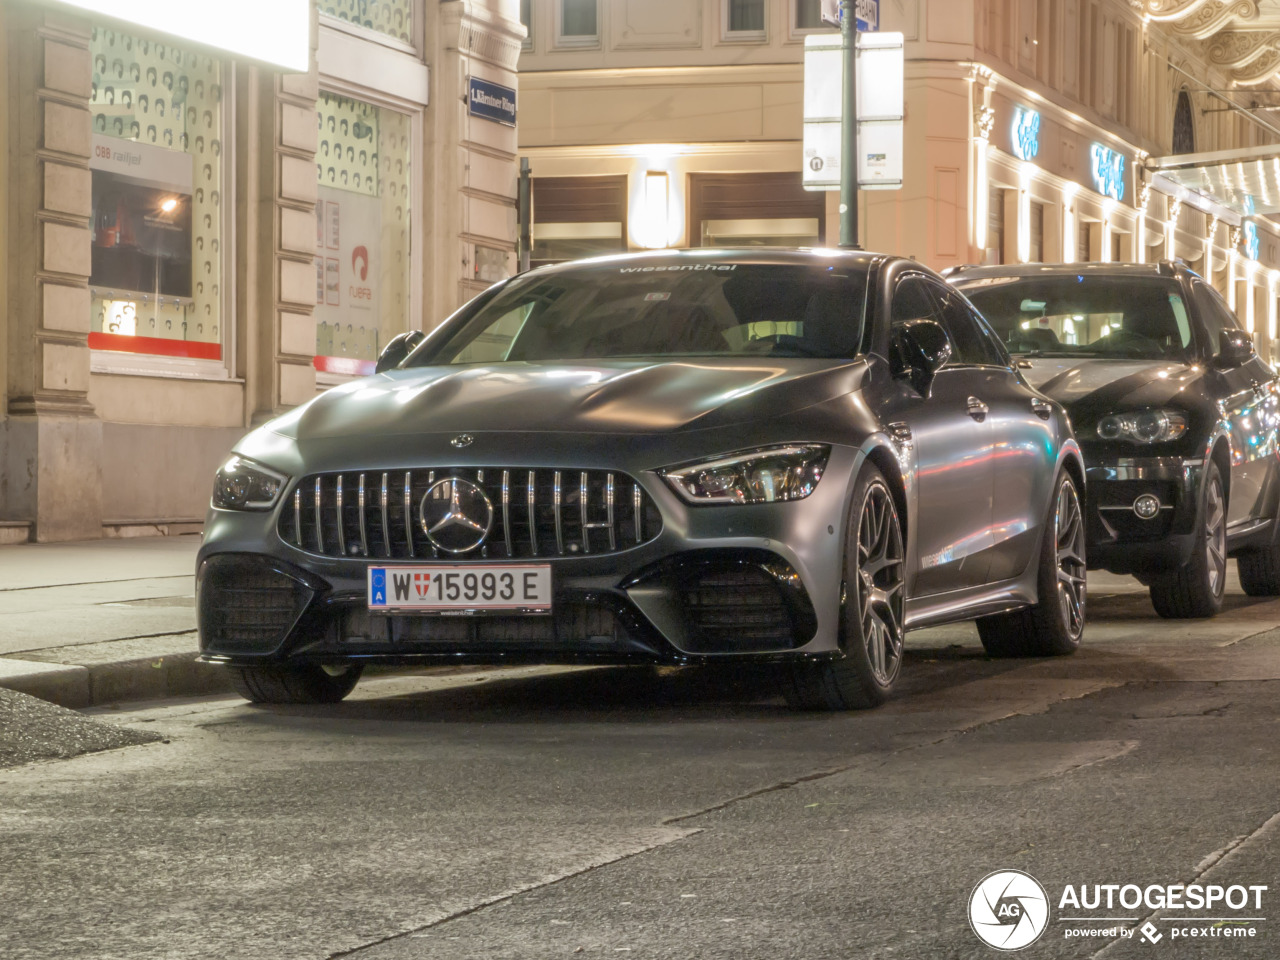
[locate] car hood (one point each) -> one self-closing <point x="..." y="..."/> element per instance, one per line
<point x="1110" y="384"/>
<point x="616" y="397"/>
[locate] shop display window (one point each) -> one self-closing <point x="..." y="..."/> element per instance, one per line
<point x="363" y="218"/>
<point x="156" y="279"/>
<point x="391" y="17"/>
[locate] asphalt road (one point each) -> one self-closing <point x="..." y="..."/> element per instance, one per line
<point x="559" y="813"/>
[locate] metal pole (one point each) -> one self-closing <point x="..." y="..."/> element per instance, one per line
<point x="849" y="128"/>
<point x="524" y="214"/>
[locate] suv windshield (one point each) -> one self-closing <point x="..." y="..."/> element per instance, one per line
<point x="1139" y="318"/>
<point x="706" y="308"/>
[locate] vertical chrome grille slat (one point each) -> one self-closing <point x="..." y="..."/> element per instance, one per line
<point x="506" y="511"/>
<point x="548" y="500"/>
<point x="408" y="499"/>
<point x="584" y="489"/>
<point x="319" y="518"/>
<point x="608" y="502"/>
<point x="555" y="500"/>
<point x="636" y="507"/>
<point x="533" y="511"/>
<point x="386" y="525"/>
<point x="364" y="536"/>
<point x="342" y="537"/>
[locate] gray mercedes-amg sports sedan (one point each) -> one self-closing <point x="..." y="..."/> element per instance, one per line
<point x="681" y="457"/>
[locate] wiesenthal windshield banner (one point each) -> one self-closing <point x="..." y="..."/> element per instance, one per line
<point x="277" y="32"/>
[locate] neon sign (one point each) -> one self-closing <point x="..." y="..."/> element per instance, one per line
<point x="1108" y="171"/>
<point x="1026" y="133"/>
<point x="1252" y="244"/>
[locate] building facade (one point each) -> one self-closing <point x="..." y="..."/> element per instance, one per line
<point x="196" y="240"/>
<point x="1033" y="131"/>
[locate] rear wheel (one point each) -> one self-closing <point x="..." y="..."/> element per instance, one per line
<point x="870" y="610"/>
<point x="1195" y="589"/>
<point x="1054" y="625"/>
<point x="302" y="683"/>
<point x="1260" y="571"/>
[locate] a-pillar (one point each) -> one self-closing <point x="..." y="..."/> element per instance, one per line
<point x="52" y="466"/>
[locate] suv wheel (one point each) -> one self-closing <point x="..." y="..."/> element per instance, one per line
<point x="301" y="683"/>
<point x="1053" y="626"/>
<point x="1195" y="589"/>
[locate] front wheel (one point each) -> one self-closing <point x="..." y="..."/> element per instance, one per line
<point x="1195" y="588"/>
<point x="301" y="683"/>
<point x="871" y="608"/>
<point x="1260" y="571"/>
<point x="1054" y="625"/>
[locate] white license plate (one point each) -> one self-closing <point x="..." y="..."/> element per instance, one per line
<point x="508" y="586"/>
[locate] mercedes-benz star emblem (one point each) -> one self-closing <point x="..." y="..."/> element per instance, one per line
<point x="456" y="515"/>
<point x="463" y="440"/>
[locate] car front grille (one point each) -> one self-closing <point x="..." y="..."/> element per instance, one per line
<point x="536" y="513"/>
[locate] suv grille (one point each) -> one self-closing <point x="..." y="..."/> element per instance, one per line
<point x="536" y="513"/>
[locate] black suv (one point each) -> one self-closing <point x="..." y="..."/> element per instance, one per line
<point x="1175" y="412"/>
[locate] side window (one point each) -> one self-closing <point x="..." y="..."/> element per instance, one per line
<point x="1214" y="311"/>
<point x="911" y="301"/>
<point x="968" y="334"/>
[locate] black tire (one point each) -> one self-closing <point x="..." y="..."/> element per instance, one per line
<point x="301" y="683"/>
<point x="1052" y="627"/>
<point x="1195" y="589"/>
<point x="1260" y="571"/>
<point x="872" y="595"/>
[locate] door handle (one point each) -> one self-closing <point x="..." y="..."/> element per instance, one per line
<point x="1043" y="408"/>
<point x="977" y="409"/>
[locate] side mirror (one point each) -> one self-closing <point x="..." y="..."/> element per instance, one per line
<point x="397" y="348"/>
<point x="1235" y="347"/>
<point x="919" y="349"/>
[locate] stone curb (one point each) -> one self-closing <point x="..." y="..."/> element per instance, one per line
<point x="90" y="685"/>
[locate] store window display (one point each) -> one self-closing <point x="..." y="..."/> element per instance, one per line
<point x="363" y="218"/>
<point x="391" y="17"/>
<point x="156" y="278"/>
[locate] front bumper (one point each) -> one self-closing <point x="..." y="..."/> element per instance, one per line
<point x="757" y="582"/>
<point x="1121" y="541"/>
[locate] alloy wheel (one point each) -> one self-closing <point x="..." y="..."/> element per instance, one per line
<point x="880" y="583"/>
<point x="1069" y="537"/>
<point x="1215" y="540"/>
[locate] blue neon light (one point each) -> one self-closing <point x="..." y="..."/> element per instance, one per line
<point x="1026" y="133"/>
<point x="1108" y="171"/>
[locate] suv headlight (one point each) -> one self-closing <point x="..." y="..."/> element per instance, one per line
<point x="766" y="475"/>
<point x="1143" y="426"/>
<point x="241" y="484"/>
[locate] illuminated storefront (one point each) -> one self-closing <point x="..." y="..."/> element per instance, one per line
<point x="210" y="223"/>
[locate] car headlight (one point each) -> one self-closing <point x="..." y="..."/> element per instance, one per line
<point x="1143" y="426"/>
<point x="766" y="475"/>
<point x="241" y="484"/>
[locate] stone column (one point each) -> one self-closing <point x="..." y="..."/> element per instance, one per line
<point x="53" y="463"/>
<point x="470" y="163"/>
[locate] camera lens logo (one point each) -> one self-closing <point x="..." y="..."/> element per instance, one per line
<point x="1008" y="910"/>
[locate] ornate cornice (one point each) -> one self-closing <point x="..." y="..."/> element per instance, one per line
<point x="1261" y="68"/>
<point x="1205" y="19"/>
<point x="1236" y="49"/>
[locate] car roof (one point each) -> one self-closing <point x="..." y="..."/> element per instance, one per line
<point x="1164" y="268"/>
<point x="738" y="255"/>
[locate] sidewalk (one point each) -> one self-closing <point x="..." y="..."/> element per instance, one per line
<point x="101" y="621"/>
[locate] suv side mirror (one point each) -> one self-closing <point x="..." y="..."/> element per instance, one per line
<point x="1235" y="347"/>
<point x="397" y="348"/>
<point x="918" y="350"/>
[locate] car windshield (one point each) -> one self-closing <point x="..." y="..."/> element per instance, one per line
<point x="629" y="309"/>
<point x="1139" y="318"/>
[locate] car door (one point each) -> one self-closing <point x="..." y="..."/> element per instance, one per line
<point x="951" y="440"/>
<point x="1022" y="443"/>
<point x="1248" y="398"/>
